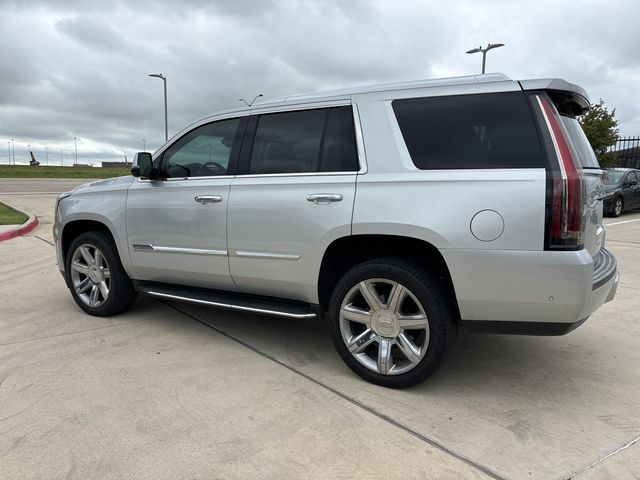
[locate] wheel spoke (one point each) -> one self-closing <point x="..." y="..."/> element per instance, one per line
<point x="395" y="298"/>
<point x="86" y="254"/>
<point x="413" y="322"/>
<point x="80" y="268"/>
<point x="104" y="289"/>
<point x="370" y="295"/>
<point x="353" y="314"/>
<point x="362" y="341"/>
<point x="408" y="348"/>
<point x="83" y="286"/>
<point x="106" y="273"/>
<point x="385" y="361"/>
<point x="97" y="257"/>
<point x="93" y="296"/>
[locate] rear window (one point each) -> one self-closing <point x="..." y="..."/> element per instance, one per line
<point x="492" y="130"/>
<point x="614" y="176"/>
<point x="583" y="148"/>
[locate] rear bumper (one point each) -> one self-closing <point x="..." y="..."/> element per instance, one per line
<point x="530" y="293"/>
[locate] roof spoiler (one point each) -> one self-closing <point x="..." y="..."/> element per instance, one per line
<point x="569" y="99"/>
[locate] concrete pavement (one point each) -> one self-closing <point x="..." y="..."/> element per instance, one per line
<point x="156" y="393"/>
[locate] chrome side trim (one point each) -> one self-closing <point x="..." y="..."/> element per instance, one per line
<point x="229" y="306"/>
<point x="143" y="247"/>
<point x="267" y="255"/>
<point x="182" y="179"/>
<point x="146" y="247"/>
<point x="299" y="174"/>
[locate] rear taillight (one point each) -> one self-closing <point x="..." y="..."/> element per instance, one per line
<point x="566" y="215"/>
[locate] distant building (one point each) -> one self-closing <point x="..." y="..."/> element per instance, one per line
<point x="116" y="165"/>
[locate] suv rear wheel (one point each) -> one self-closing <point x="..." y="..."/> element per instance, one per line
<point x="392" y="322"/>
<point x="95" y="276"/>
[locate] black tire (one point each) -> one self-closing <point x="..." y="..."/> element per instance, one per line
<point x="121" y="294"/>
<point x="433" y="296"/>
<point x="615" y="211"/>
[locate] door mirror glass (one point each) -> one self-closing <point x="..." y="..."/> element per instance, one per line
<point x="142" y="165"/>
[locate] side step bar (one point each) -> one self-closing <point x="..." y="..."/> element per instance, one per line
<point x="229" y="300"/>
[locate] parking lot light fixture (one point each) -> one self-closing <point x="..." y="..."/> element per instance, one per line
<point x="166" y="124"/>
<point x="484" y="52"/>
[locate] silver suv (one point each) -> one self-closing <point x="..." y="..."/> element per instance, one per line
<point x="400" y="211"/>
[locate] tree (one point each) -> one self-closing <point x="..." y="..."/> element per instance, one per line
<point x="601" y="128"/>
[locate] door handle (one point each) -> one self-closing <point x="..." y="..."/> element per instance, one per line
<point x="208" y="199"/>
<point x="318" y="198"/>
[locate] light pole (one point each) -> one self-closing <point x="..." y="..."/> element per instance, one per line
<point x="484" y="52"/>
<point x="247" y="103"/>
<point x="13" y="149"/>
<point x="166" y="124"/>
<point x="75" y="144"/>
<point x="61" y="164"/>
<point x="144" y="145"/>
<point x="9" y="150"/>
<point x="29" y="152"/>
<point x="46" y="155"/>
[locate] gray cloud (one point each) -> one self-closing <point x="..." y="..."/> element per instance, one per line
<point x="79" y="68"/>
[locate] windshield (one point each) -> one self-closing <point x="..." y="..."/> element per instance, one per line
<point x="614" y="176"/>
<point x="579" y="139"/>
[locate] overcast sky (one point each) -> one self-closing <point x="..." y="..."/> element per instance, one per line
<point x="79" y="67"/>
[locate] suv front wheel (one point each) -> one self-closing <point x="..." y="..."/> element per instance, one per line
<point x="95" y="276"/>
<point x="392" y="322"/>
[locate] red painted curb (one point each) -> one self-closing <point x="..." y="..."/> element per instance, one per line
<point x="23" y="229"/>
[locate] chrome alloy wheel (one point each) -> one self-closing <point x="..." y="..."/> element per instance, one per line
<point x="384" y="326"/>
<point x="90" y="275"/>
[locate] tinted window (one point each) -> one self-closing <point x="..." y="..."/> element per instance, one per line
<point x="339" y="152"/>
<point x="320" y="140"/>
<point x="205" y="151"/>
<point x="494" y="130"/>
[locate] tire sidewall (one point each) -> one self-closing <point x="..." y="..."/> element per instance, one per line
<point x="119" y="278"/>
<point x="431" y="295"/>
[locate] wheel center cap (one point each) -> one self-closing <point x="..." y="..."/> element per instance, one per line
<point x="385" y="324"/>
<point x="95" y="275"/>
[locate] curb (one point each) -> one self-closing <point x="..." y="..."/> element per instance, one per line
<point x="28" y="226"/>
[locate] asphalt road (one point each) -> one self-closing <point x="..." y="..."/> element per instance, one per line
<point x="176" y="391"/>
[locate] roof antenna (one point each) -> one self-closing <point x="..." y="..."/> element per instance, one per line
<point x="252" y="101"/>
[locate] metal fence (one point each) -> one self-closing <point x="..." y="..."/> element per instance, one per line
<point x="627" y="150"/>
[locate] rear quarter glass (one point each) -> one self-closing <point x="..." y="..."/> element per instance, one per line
<point x="492" y="130"/>
<point x="580" y="142"/>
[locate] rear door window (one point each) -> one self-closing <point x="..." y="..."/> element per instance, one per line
<point x="492" y="130"/>
<point x="305" y="141"/>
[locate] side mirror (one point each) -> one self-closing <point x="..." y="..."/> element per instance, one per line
<point x="142" y="165"/>
<point x="633" y="183"/>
